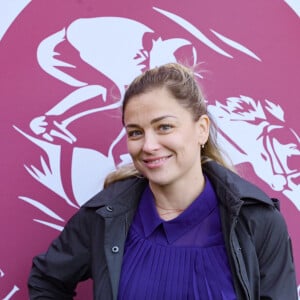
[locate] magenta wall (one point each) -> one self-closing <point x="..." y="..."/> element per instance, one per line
<point x="64" y="67"/>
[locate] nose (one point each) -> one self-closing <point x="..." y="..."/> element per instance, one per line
<point x="150" y="142"/>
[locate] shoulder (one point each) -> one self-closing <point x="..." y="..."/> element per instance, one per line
<point x="241" y="198"/>
<point x="263" y="220"/>
<point x="121" y="195"/>
<point x="117" y="191"/>
<point x="232" y="189"/>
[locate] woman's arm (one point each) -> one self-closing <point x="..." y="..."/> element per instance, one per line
<point x="55" y="274"/>
<point x="274" y="251"/>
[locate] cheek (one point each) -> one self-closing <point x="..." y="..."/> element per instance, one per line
<point x="191" y="146"/>
<point x="132" y="148"/>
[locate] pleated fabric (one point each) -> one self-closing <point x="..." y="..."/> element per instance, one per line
<point x="184" y="258"/>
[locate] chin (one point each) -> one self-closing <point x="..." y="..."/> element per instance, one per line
<point x="158" y="180"/>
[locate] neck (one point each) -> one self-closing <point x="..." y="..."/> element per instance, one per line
<point x="171" y="200"/>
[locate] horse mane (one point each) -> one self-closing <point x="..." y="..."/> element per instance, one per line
<point x="244" y="108"/>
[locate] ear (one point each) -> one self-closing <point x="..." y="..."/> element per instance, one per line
<point x="203" y="126"/>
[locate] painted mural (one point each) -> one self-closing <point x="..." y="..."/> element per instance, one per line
<point x="65" y="66"/>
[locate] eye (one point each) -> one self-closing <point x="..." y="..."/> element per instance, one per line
<point x="165" y="127"/>
<point x="134" y="134"/>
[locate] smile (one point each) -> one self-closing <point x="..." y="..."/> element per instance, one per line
<point x="156" y="162"/>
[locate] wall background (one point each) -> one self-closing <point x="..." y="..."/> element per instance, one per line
<point x="64" y="66"/>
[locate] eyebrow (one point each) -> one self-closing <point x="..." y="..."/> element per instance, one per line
<point x="155" y="120"/>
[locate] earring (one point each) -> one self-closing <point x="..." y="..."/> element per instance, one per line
<point x="202" y="146"/>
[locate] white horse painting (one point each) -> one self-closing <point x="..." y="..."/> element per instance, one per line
<point x="256" y="132"/>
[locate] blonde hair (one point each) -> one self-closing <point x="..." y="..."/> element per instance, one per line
<point x="181" y="82"/>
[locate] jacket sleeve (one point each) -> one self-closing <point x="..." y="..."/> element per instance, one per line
<point x="274" y="252"/>
<point x="55" y="274"/>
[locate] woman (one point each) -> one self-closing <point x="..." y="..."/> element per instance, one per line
<point x="178" y="224"/>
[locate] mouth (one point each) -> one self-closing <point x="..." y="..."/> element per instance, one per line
<point x="156" y="161"/>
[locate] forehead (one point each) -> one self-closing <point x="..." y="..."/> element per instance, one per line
<point x="153" y="104"/>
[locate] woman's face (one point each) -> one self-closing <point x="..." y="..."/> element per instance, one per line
<point x="163" y="139"/>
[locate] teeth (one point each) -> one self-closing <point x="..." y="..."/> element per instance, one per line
<point x="156" y="161"/>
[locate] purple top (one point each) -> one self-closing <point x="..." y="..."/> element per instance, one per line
<point x="184" y="258"/>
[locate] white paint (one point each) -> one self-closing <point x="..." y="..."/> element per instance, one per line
<point x="9" y="10"/>
<point x="294" y="5"/>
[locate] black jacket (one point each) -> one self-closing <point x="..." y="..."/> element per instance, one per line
<point x="92" y="243"/>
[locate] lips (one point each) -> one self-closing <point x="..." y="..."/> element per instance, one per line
<point x="156" y="161"/>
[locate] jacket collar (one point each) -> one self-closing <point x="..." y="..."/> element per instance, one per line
<point x="232" y="190"/>
<point x="119" y="197"/>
